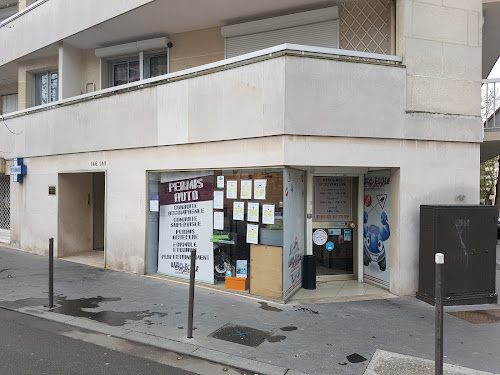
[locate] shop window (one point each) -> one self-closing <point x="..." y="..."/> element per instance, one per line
<point x="46" y="88"/>
<point x="232" y="218"/>
<point x="221" y="213"/>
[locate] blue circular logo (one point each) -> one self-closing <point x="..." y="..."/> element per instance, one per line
<point x="329" y="245"/>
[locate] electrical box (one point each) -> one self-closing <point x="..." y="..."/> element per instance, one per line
<point x="466" y="235"/>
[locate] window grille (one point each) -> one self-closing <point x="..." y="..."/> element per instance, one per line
<point x="4" y="202"/>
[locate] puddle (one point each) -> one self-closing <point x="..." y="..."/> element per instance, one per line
<point x="241" y="335"/>
<point x="355" y="358"/>
<point x="74" y="307"/>
<point x="276" y="338"/>
<point x="265" y="306"/>
<point x="289" y="328"/>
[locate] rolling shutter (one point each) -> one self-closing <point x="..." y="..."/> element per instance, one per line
<point x="322" y="34"/>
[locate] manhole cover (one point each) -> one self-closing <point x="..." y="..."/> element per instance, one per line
<point x="241" y="335"/>
<point x="478" y="316"/>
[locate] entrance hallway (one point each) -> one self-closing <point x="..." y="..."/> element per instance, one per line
<point x="339" y="291"/>
<point x="93" y="258"/>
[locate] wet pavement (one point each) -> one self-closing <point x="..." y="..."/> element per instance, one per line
<point x="312" y="339"/>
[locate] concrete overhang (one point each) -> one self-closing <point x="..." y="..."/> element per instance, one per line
<point x="491" y="31"/>
<point x="490" y="146"/>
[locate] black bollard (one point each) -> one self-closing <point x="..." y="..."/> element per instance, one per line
<point x="192" y="272"/>
<point x="51" y="273"/>
<point x="438" y="324"/>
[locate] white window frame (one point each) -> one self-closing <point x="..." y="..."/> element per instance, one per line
<point x="48" y="74"/>
<point x="146" y="64"/>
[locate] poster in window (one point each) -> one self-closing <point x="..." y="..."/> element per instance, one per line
<point x="253" y="212"/>
<point x="241" y="268"/>
<point x="218" y="200"/>
<point x="246" y="189"/>
<point x="259" y="189"/>
<point x="376" y="228"/>
<point x="252" y="233"/>
<point x="268" y="214"/>
<point x="186" y="223"/>
<point x="232" y="189"/>
<point x="218" y="220"/>
<point x="220" y="182"/>
<point x="332" y="198"/>
<point x="238" y="211"/>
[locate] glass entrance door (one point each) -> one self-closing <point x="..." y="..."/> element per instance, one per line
<point x="333" y="236"/>
<point x="335" y="256"/>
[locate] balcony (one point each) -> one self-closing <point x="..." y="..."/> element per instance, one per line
<point x="287" y="89"/>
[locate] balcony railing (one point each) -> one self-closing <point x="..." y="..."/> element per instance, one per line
<point x="490" y="104"/>
<point x="37" y="3"/>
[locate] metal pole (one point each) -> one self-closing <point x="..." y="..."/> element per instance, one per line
<point x="192" y="272"/>
<point x="439" y="259"/>
<point x="51" y="273"/>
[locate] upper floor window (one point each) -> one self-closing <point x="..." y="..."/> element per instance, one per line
<point x="128" y="70"/>
<point x="46" y="88"/>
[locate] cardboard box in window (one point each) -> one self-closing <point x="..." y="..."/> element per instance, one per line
<point x="266" y="271"/>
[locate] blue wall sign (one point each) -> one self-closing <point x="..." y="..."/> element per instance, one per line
<point x="18" y="170"/>
<point x="329" y="245"/>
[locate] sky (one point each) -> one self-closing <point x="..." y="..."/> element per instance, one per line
<point x="495" y="72"/>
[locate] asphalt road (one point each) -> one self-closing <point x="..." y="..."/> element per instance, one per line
<point x="30" y="345"/>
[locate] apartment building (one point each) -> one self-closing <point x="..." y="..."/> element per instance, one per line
<point x="256" y="132"/>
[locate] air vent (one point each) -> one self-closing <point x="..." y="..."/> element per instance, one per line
<point x="52" y="190"/>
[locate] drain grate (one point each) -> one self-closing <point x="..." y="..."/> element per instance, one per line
<point x="241" y="335"/>
<point x="478" y="316"/>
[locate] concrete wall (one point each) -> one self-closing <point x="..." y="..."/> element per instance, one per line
<point x="90" y="73"/>
<point x="196" y="48"/>
<point x="424" y="172"/>
<point x="26" y="80"/>
<point x="71" y="67"/>
<point x="440" y="41"/>
<point x="74" y="232"/>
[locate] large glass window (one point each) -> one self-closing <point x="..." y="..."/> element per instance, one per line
<point x="46" y="88"/>
<point x="221" y="213"/>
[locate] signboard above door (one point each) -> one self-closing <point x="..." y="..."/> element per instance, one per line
<point x="332" y="198"/>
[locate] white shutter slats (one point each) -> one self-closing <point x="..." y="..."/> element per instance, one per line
<point x="322" y="34"/>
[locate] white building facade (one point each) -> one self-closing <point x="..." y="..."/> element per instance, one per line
<point x="338" y="119"/>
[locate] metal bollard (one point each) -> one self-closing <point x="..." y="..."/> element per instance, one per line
<point x="192" y="272"/>
<point x="438" y="323"/>
<point x="51" y="273"/>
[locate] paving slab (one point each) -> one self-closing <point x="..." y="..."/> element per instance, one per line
<point x="388" y="363"/>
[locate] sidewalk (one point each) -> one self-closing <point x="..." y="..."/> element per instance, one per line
<point x="308" y="339"/>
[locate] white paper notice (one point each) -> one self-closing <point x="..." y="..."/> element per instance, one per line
<point x="238" y="210"/>
<point x="246" y="189"/>
<point x="252" y="233"/>
<point x="268" y="214"/>
<point x="220" y="182"/>
<point x="259" y="189"/>
<point x="218" y="220"/>
<point x="154" y="205"/>
<point x="218" y="199"/>
<point x="253" y="212"/>
<point x="232" y="189"/>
